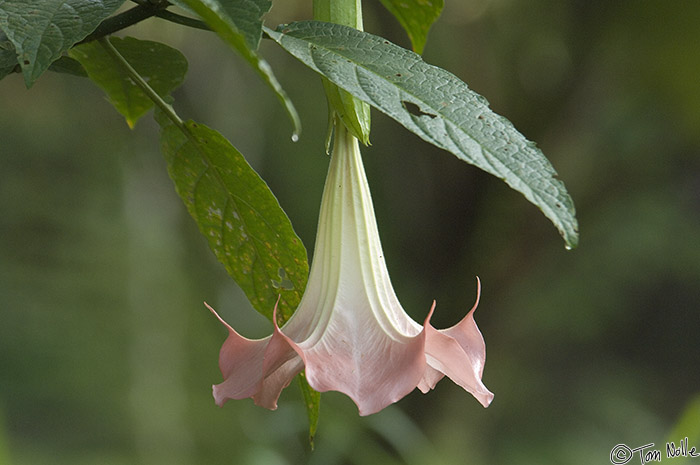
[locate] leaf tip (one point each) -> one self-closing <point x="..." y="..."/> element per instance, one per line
<point x="572" y="239"/>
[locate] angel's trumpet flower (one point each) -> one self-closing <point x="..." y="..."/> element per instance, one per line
<point x="349" y="333"/>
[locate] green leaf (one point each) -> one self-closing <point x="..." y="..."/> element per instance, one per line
<point x="219" y="19"/>
<point x="8" y="61"/>
<point x="8" y="56"/>
<point x="239" y="216"/>
<point x="312" y="401"/>
<point x="416" y="17"/>
<point x="68" y="65"/>
<point x="246" y="15"/>
<point x="433" y="104"/>
<point x="243" y="223"/>
<point x="163" y="67"/>
<point x="41" y="30"/>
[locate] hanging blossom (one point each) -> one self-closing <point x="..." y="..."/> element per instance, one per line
<point x="349" y="333"/>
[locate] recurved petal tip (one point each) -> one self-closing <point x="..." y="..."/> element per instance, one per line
<point x="257" y="368"/>
<point x="459" y="353"/>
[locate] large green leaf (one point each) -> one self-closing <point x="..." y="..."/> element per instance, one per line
<point x="243" y="223"/>
<point x="8" y="61"/>
<point x="239" y="216"/>
<point x="163" y="67"/>
<point x="220" y="20"/>
<point x="416" y="17"/>
<point x="41" y="30"/>
<point x="435" y="105"/>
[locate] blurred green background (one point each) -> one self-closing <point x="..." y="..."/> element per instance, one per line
<point x="107" y="353"/>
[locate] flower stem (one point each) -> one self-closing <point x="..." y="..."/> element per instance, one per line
<point x="139" y="81"/>
<point x="354" y="113"/>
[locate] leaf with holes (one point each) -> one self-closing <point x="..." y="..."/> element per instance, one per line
<point x="435" y="105"/>
<point x="41" y="30"/>
<point x="239" y="216"/>
<point x="416" y="17"/>
<point x="161" y="66"/>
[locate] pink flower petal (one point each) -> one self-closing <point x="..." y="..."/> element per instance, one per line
<point x="280" y="365"/>
<point x="467" y="334"/>
<point x="430" y="378"/>
<point x="257" y="368"/>
<point x="458" y="352"/>
<point x="357" y="357"/>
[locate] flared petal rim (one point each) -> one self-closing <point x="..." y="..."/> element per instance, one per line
<point x="459" y="353"/>
<point x="374" y="369"/>
<point x="257" y="368"/>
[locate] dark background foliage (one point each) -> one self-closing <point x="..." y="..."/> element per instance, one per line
<point x="107" y="353"/>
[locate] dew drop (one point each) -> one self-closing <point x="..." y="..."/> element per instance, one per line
<point x="295" y="137"/>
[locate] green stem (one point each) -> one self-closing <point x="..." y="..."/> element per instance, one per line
<point x="139" y="81"/>
<point x="122" y="20"/>
<point x="143" y="10"/>
<point x="353" y="113"/>
<point x="183" y="20"/>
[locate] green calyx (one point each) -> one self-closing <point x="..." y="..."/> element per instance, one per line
<point x="354" y="113"/>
